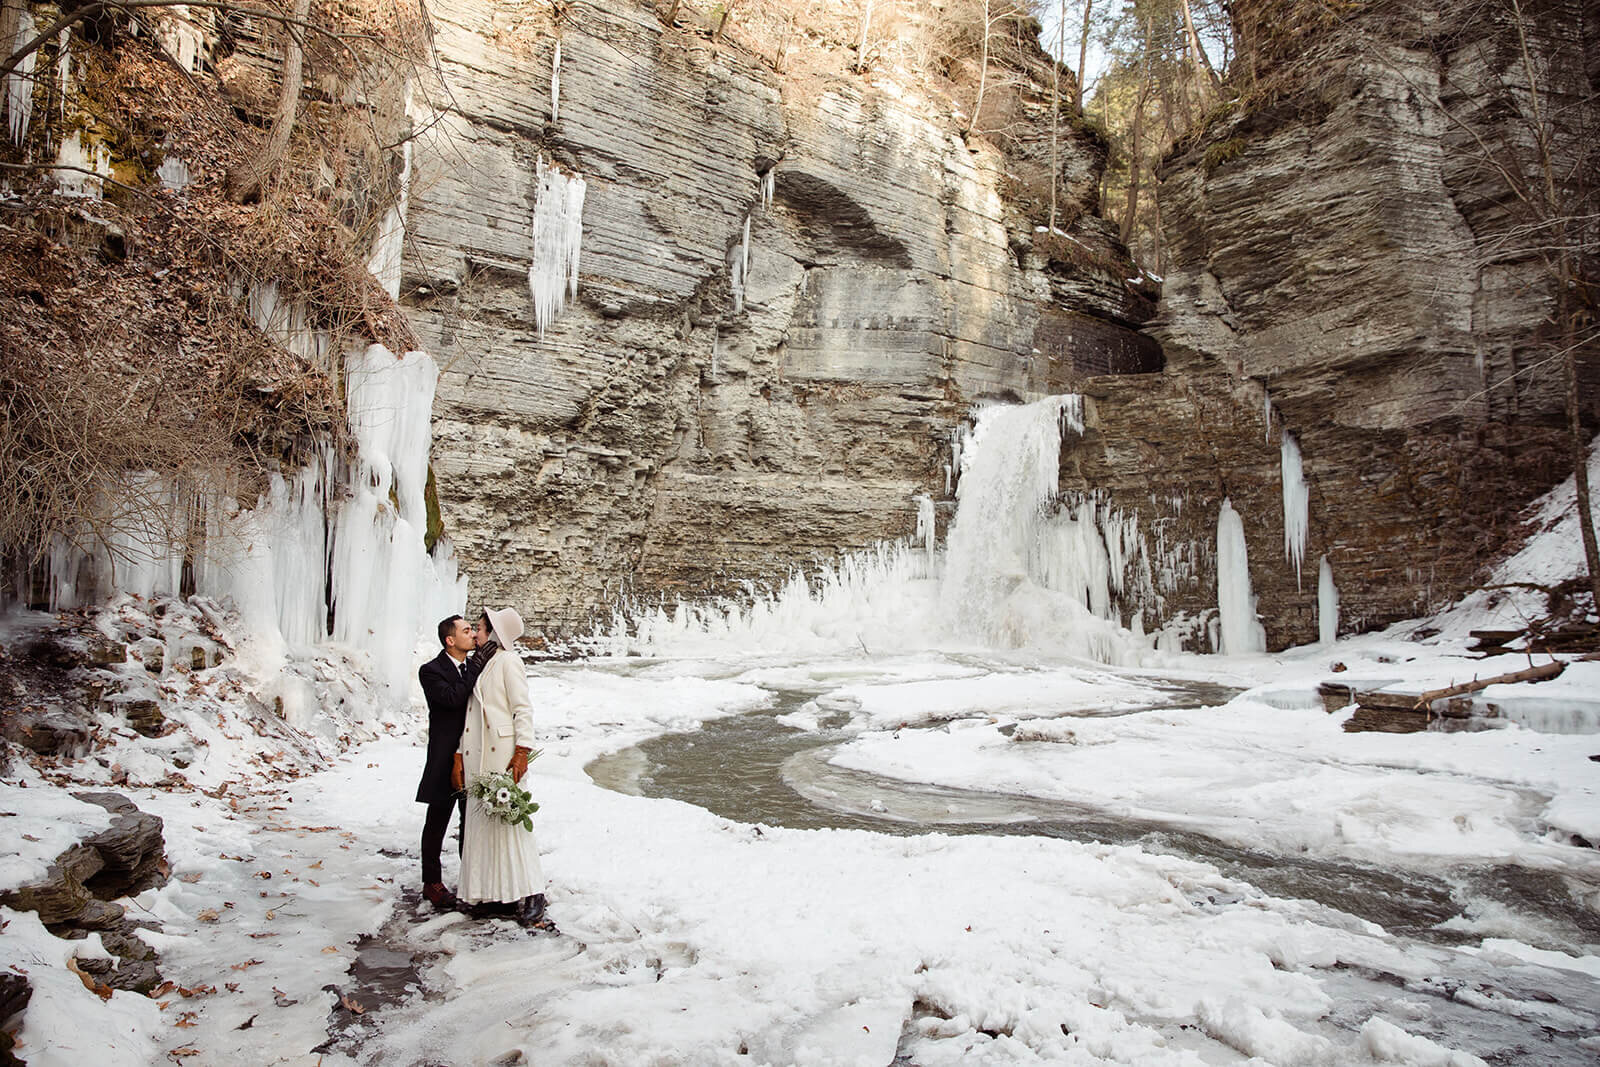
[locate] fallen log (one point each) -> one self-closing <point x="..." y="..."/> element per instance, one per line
<point x="1541" y="673"/>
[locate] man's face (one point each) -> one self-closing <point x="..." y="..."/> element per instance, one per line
<point x="465" y="637"/>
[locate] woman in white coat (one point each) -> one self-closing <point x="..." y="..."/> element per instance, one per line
<point x="500" y="861"/>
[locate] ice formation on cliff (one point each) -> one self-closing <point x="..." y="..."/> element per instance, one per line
<point x="81" y="166"/>
<point x="1238" y="629"/>
<point x="555" y="83"/>
<point x="1327" y="604"/>
<point x="557" y="241"/>
<point x="739" y="268"/>
<point x="19" y="83"/>
<point x="1296" y="505"/>
<point x="354" y="531"/>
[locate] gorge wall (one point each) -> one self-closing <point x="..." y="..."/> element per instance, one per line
<point x="1333" y="276"/>
<point x="660" y="437"/>
<point x="1350" y="246"/>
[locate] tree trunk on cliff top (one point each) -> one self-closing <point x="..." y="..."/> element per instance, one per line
<point x="244" y="183"/>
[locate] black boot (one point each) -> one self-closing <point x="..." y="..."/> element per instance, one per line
<point x="531" y="911"/>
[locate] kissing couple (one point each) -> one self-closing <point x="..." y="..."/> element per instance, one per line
<point x="480" y="722"/>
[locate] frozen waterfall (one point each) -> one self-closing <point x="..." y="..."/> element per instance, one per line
<point x="1018" y="570"/>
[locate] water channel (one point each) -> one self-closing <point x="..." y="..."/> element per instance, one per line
<point x="755" y="769"/>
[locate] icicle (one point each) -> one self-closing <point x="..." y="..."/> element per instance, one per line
<point x="1266" y="413"/>
<point x="958" y="437"/>
<point x="716" y="338"/>
<point x="740" y="269"/>
<point x="1072" y="414"/>
<point x="1296" y="505"/>
<point x="19" y="83"/>
<point x="555" y="83"/>
<point x="557" y="241"/>
<point x="1239" y="632"/>
<point x="1327" y="604"/>
<point x="767" y="184"/>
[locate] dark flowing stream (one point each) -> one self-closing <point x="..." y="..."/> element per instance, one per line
<point x="754" y="769"/>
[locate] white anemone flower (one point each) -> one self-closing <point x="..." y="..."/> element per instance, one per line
<point x="503" y="796"/>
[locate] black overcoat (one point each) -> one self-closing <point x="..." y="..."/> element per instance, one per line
<point x="447" y="690"/>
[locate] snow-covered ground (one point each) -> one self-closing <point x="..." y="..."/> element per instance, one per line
<point x="290" y="931"/>
<point x="691" y="938"/>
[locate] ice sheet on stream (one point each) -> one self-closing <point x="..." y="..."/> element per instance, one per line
<point x="1259" y="774"/>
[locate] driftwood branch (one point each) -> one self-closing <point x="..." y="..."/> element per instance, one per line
<point x="1541" y="673"/>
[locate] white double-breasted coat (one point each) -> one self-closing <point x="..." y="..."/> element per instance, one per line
<point x="499" y="862"/>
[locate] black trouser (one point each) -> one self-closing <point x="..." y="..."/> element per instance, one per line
<point x="433" y="828"/>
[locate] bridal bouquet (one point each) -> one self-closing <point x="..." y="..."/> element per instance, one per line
<point x="499" y="796"/>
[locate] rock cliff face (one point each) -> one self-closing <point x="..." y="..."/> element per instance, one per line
<point x="687" y="423"/>
<point x="666" y="435"/>
<point x="1347" y="251"/>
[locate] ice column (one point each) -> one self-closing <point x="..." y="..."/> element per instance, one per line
<point x="385" y="585"/>
<point x="740" y="268"/>
<point x="19" y="83"/>
<point x="768" y="181"/>
<point x="1327" y="604"/>
<point x="557" y="239"/>
<point x="1296" y="501"/>
<point x="1236" y="604"/>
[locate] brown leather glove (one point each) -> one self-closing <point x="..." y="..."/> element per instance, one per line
<point x="519" y="762"/>
<point x="458" y="774"/>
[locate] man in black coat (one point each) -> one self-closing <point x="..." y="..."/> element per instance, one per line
<point x="447" y="681"/>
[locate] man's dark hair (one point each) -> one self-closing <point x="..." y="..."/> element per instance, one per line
<point x="447" y="627"/>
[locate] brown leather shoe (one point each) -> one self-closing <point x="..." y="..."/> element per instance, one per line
<point x="439" y="896"/>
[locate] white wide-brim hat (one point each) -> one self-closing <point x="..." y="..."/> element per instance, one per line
<point x="506" y="623"/>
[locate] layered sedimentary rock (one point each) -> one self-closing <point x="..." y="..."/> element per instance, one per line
<point x="689" y="423"/>
<point x="1346" y="256"/>
<point x="714" y="407"/>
